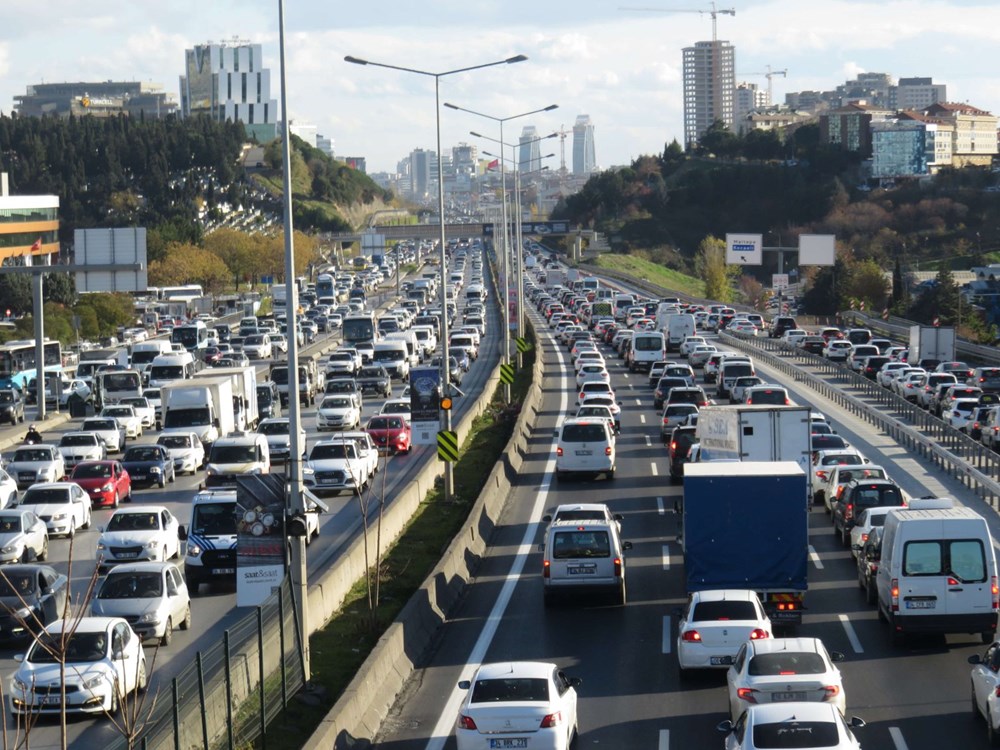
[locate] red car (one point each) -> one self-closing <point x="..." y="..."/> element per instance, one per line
<point x="390" y="433"/>
<point x="106" y="482"/>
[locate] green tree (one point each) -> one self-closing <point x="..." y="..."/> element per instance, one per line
<point x="59" y="287"/>
<point x="15" y="293"/>
<point x="711" y="264"/>
<point x="106" y="311"/>
<point x="866" y="282"/>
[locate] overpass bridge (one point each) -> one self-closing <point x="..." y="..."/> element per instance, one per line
<point x="397" y="232"/>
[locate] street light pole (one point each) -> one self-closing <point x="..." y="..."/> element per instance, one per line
<point x="449" y="478"/>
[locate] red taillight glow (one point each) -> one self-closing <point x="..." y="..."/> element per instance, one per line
<point x="559" y="450"/>
<point x="673" y="445"/>
<point x="995" y="592"/>
<point x="552" y="720"/>
<point x="691" y="636"/>
<point x="546" y="568"/>
<point x="830" y="692"/>
<point x="607" y="450"/>
<point x="786" y="606"/>
<point x="466" y="722"/>
<point x="746" y="694"/>
<point x="864" y="538"/>
<point x="758" y="634"/>
<point x="849" y="512"/>
<point x="894" y="594"/>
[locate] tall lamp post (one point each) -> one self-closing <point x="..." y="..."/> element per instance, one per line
<point x="445" y="374"/>
<point x="503" y="212"/>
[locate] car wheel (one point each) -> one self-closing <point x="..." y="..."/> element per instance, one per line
<point x="621" y="597"/>
<point x="44" y="552"/>
<point x="72" y="530"/>
<point x="974" y="705"/>
<point x="845" y="537"/>
<point x="186" y="622"/>
<point x="113" y="710"/>
<point x="115" y="503"/>
<point x="86" y="523"/>
<point x="141" y="682"/>
<point x="163" y="481"/>
<point x="168" y="633"/>
<point x="870" y="592"/>
<point x="992" y="733"/>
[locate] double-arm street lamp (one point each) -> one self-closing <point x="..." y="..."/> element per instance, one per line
<point x="445" y="374"/>
<point x="503" y="212"/>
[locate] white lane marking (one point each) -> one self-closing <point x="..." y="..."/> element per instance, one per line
<point x="659" y="506"/>
<point x="666" y="557"/>
<point x="653" y="468"/>
<point x="815" y="558"/>
<point x="446" y="721"/>
<point x="625" y="374"/>
<point x="649" y="441"/>
<point x="666" y="634"/>
<point x="851" y="635"/>
<point x="642" y="418"/>
<point x="638" y="402"/>
<point x="897" y="738"/>
<point x="664" y="743"/>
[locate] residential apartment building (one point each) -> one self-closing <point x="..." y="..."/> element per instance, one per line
<point x="974" y="139"/>
<point x="709" y="87"/>
<point x="749" y="97"/>
<point x="850" y="126"/>
<point x="917" y="94"/>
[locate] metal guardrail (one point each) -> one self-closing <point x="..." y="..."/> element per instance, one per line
<point x="951" y="450"/>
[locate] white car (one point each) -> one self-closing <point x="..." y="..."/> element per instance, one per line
<point x="186" y="450"/>
<point x="104" y="660"/>
<point x="152" y="596"/>
<point x="139" y="532"/>
<point x="8" y="490"/>
<point x="108" y="430"/>
<point x="777" y="670"/>
<point x="518" y="704"/>
<point x="400" y="406"/>
<point x="793" y="335"/>
<point x="126" y="418"/>
<point x="959" y="412"/>
<point x="23" y="536"/>
<point x="593" y="357"/>
<point x="36" y="463"/>
<point x="888" y="372"/>
<point x="838" y="350"/>
<point x="715" y="625"/>
<point x="700" y="354"/>
<point x="338" y="413"/>
<point x="277" y="430"/>
<point x="591" y="373"/>
<point x="799" y="725"/>
<point x="144" y="409"/>
<point x="278" y="343"/>
<point x="76" y="447"/>
<point x="64" y="506"/>
<point x="585" y="446"/>
<point x="986" y="690"/>
<point x="336" y="466"/>
<point x="866" y="520"/>
<point x="257" y="346"/>
<point x="689" y="343"/>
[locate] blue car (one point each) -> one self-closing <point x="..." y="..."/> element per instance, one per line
<point x="149" y="464"/>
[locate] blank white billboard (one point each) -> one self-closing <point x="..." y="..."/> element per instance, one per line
<point x="744" y="249"/>
<point x="816" y="250"/>
<point x="125" y="246"/>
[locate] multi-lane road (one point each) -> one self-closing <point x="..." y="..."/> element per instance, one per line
<point x="632" y="696"/>
<point x="214" y="610"/>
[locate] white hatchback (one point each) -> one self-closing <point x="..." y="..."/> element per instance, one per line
<point x="716" y="624"/>
<point x="585" y="446"/>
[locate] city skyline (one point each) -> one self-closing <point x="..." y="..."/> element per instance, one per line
<point x="624" y="69"/>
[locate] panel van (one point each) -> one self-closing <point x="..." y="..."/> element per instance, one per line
<point x="168" y="367"/>
<point x="938" y="572"/>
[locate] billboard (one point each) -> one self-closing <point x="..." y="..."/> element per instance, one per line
<point x="425" y="400"/>
<point x="744" y="249"/>
<point x="534" y="227"/>
<point x="260" y="537"/>
<point x="816" y="250"/>
<point x="103" y="247"/>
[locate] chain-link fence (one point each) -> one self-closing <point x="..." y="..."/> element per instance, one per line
<point x="227" y="695"/>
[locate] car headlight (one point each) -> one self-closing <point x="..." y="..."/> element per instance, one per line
<point x="107" y="487"/>
<point x="60" y="516"/>
<point x="153" y="543"/>
<point x="95" y="681"/>
<point x="212" y="470"/>
<point x="10" y="549"/>
<point x="20" y="684"/>
<point x="150" y="618"/>
<point x="193" y="550"/>
<point x="100" y="545"/>
<point x="155" y="470"/>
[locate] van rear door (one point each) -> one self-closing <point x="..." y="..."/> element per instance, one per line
<point x="946" y="577"/>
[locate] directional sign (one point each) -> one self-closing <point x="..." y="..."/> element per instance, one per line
<point x="448" y="446"/>
<point x="744" y="249"/>
<point x="507" y="373"/>
<point x="779" y="281"/>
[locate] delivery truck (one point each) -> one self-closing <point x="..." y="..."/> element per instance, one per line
<point x="244" y="383"/>
<point x="931" y="345"/>
<point x="745" y="527"/>
<point x="204" y="406"/>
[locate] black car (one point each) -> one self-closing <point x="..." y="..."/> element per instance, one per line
<point x="779" y="325"/>
<point x="869" y="557"/>
<point x="812" y="344"/>
<point x="149" y="464"/>
<point x="40" y="589"/>
<point x="11" y="406"/>
<point x="859" y="494"/>
<point x="873" y="365"/>
<point x="268" y="400"/>
<point x="664" y="387"/>
<point x="374" y="379"/>
<point x="679" y="450"/>
<point x="828" y="442"/>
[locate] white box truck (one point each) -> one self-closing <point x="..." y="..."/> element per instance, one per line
<point x="244" y="381"/>
<point x="205" y="407"/>
<point x="931" y="344"/>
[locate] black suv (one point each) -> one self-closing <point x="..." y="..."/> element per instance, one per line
<point x="374" y="379"/>
<point x="663" y="389"/>
<point x="781" y="324"/>
<point x="869" y="557"/>
<point x="858" y="495"/>
<point x="11" y="406"/>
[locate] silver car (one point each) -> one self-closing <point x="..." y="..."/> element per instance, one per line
<point x="23" y="536"/>
<point x="151" y="596"/>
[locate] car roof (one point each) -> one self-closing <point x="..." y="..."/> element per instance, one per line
<point x="92" y="624"/>
<point x="566" y="507"/>
<point x="773" y="645"/>
<point x="776" y="713"/>
<point x="139" y="509"/>
<point x="728" y="595"/>
<point x="145" y="566"/>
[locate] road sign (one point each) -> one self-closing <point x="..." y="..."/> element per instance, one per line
<point x="522" y="344"/>
<point x="447" y="445"/>
<point x="744" y="249"/>
<point x="507" y="373"/>
<point x="425" y="397"/>
<point x="779" y="281"/>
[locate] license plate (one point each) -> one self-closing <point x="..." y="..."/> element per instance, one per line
<point x="223" y="571"/>
<point x="718" y="661"/>
<point x="126" y="555"/>
<point x="580" y="570"/>
<point x="782" y="697"/>
<point x="49" y="700"/>
<point x="921" y="604"/>
<point x="139" y="476"/>
<point x="514" y="742"/>
<point x="585" y="453"/>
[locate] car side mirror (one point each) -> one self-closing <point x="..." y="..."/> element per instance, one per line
<point x="464" y="684"/>
<point x="574" y="681"/>
<point x="976" y="659"/>
<point x="19" y="658"/>
<point x="619" y="517"/>
<point x="547" y="519"/>
<point x="182" y="533"/>
<point x="626" y="545"/>
<point x="837" y="656"/>
<point x="725" y="727"/>
<point x="857" y="722"/>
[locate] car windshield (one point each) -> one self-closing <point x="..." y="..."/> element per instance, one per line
<point x="17" y="584"/>
<point x="78" y="440"/>
<point x="786" y="663"/>
<point x="397" y="407"/>
<point x="214" y="519"/>
<point x="372" y="372"/>
<point x="134" y="522"/>
<point x="45" y="496"/>
<point x="142" y="453"/>
<point x="723" y="610"/>
<point x="99" y="424"/>
<point x="233" y="454"/>
<point x="146" y="585"/>
<point x="32" y="454"/>
<point x="175" y="441"/>
<point x="787" y="735"/>
<point x="80" y="647"/>
<point x="336" y="403"/>
<point x="10" y="524"/>
<point x="186" y="417"/>
<point x="331" y="450"/>
<point x="511" y="689"/>
<point x="580" y="514"/>
<point x="273" y="428"/>
<point x="92" y="471"/>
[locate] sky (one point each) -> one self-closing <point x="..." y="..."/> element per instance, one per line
<point x="621" y="67"/>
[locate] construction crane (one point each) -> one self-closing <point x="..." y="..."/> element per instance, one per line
<point x="714" y="13"/>
<point x="769" y="75"/>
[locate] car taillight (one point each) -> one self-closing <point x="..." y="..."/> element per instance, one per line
<point x="821" y="475"/>
<point x="607" y="450"/>
<point x="466" y="722"/>
<point x="552" y="720"/>
<point x="788" y="402"/>
<point x="691" y="636"/>
<point x="849" y="512"/>
<point x="995" y="591"/>
<point x="758" y="634"/>
<point x="746" y="694"/>
<point x="864" y="538"/>
<point x="673" y="445"/>
<point x="894" y="594"/>
<point x="546" y="568"/>
<point x="559" y="450"/>
<point x="830" y="692"/>
<point x="785" y="606"/>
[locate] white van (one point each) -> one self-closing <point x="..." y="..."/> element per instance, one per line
<point x="169" y="367"/>
<point x="585" y="446"/>
<point x="427" y="337"/>
<point x="414" y="349"/>
<point x="938" y="572"/>
<point x="647" y="347"/>
<point x="394" y="356"/>
<point x="729" y="370"/>
<point x="144" y="353"/>
<point x="475" y="293"/>
<point x="237" y="454"/>
<point x="679" y="327"/>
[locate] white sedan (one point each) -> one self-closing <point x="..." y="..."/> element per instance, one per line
<point x="715" y="625"/>
<point x="518" y="704"/>
<point x="338" y="413"/>
<point x="36" y="463"/>
<point x="986" y="689"/>
<point x="126" y="418"/>
<point x="151" y="595"/>
<point x="185" y="449"/>
<point x="591" y="373"/>
<point x="8" y="490"/>
<point x="776" y="670"/>
<point x="689" y="343"/>
<point x="139" y="532"/>
<point x="64" y="506"/>
<point x="798" y="725"/>
<point x="144" y="409"/>
<point x="108" y="430"/>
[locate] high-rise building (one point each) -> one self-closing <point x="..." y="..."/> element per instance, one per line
<point x="917" y="94"/>
<point x="709" y="87"/>
<point x="584" y="154"/>
<point x="463" y="159"/>
<point x="421" y="164"/>
<point x="529" y="157"/>
<point x="324" y="144"/>
<point x="749" y="97"/>
<point x="228" y="81"/>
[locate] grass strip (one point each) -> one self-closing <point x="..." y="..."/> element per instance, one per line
<point x="340" y="648"/>
<point x="652" y="272"/>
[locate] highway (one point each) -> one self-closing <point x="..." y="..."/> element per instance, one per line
<point x="913" y="698"/>
<point x="214" y="609"/>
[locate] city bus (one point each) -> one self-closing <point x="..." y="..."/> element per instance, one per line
<point x="192" y="336"/>
<point x="17" y="361"/>
<point x="359" y="327"/>
<point x="186" y="293"/>
<point x="325" y="288"/>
